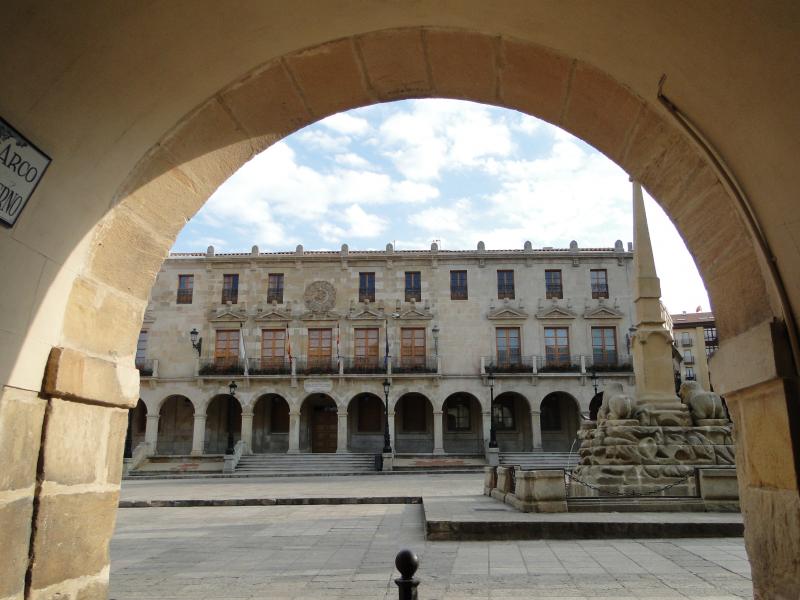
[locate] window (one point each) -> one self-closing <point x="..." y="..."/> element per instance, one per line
<point x="552" y="282"/>
<point x="599" y="279"/>
<point x="366" y="348"/>
<point x="505" y="285"/>
<point x="689" y="372"/>
<point x="458" y="285"/>
<point x="412" y="347"/>
<point x="230" y="288"/>
<point x="712" y="342"/>
<point x="503" y="414"/>
<point x="550" y="417"/>
<point x="458" y="414"/>
<point x="141" y="349"/>
<point x="688" y="358"/>
<point x="185" y="289"/>
<point x="556" y="346"/>
<point x="686" y="339"/>
<point x="413" y="286"/>
<point x="226" y="349"/>
<point x="319" y="348"/>
<point x="604" y="346"/>
<point x="508" y="349"/>
<point x="366" y="287"/>
<point x="414" y="410"/>
<point x="275" y="288"/>
<point x="273" y="348"/>
<point x="370" y="411"/>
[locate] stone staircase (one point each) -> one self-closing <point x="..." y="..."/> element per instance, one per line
<point x="453" y="463"/>
<point x="305" y="464"/>
<point x="530" y="461"/>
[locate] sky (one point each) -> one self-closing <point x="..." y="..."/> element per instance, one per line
<point x="414" y="171"/>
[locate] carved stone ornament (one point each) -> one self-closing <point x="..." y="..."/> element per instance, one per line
<point x="320" y="296"/>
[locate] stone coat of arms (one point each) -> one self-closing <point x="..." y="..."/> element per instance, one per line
<point x="319" y="297"/>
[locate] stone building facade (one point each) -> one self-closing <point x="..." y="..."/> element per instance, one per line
<point x="310" y="337"/>
<point x="696" y="340"/>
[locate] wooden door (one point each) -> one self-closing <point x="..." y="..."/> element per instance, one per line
<point x="324" y="427"/>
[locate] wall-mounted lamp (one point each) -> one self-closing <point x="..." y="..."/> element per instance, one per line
<point x="197" y="343"/>
<point x="435" y="332"/>
<point x="232" y="388"/>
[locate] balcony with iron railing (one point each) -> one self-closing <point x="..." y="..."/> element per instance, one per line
<point x="554" y="292"/>
<point x="147" y="367"/>
<point x="184" y="296"/>
<point x="275" y="294"/>
<point x="458" y="292"/>
<point x="505" y="291"/>
<point x="413" y="293"/>
<point x="366" y="294"/>
<point x="324" y="365"/>
<point x="558" y="363"/>
<point x="609" y="362"/>
<point x="599" y="290"/>
<point x="363" y="365"/>
<point x="414" y="365"/>
<point x="230" y="296"/>
<point x="280" y="365"/>
<point x="221" y="366"/>
<point x="508" y="362"/>
<point x="687" y="342"/>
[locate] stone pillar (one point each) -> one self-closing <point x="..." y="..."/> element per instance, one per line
<point x="294" y="432"/>
<point x="199" y="435"/>
<point x="391" y="431"/>
<point x="341" y="433"/>
<point x="486" y="419"/>
<point x="536" y="430"/>
<point x="247" y="431"/>
<point x="438" y="438"/>
<point x="151" y="434"/>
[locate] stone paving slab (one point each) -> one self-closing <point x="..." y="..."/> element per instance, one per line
<point x="347" y="551"/>
<point x="478" y="517"/>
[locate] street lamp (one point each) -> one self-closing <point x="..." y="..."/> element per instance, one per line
<point x="387" y="442"/>
<point x="492" y="434"/>
<point x="435" y="332"/>
<point x="232" y="389"/>
<point x="594" y="379"/>
<point x="197" y="344"/>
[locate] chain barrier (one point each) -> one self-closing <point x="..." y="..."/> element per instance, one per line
<point x="628" y="493"/>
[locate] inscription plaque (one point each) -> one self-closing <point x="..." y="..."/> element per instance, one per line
<point x="22" y="166"/>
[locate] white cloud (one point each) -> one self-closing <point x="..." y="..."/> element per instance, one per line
<point x="351" y="159"/>
<point x="437" y="220"/>
<point x="346" y="124"/>
<point x="320" y="140"/>
<point x="357" y="223"/>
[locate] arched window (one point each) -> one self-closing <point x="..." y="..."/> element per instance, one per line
<point x="503" y="415"/>
<point x="458" y="415"/>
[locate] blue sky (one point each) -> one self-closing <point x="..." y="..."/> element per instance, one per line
<point x="415" y="171"/>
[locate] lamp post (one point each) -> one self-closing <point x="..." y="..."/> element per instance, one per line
<point x="232" y="389"/>
<point x="387" y="441"/>
<point x="435" y="332"/>
<point x="197" y="344"/>
<point x="594" y="379"/>
<point x="492" y="434"/>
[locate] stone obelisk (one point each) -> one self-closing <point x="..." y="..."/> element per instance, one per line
<point x="651" y="344"/>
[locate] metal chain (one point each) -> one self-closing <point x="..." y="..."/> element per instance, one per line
<point x="631" y="492"/>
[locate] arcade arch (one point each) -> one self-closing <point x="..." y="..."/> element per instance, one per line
<point x="175" y="426"/>
<point x="462" y="424"/>
<point x="223" y="424"/>
<point x="95" y="265"/>
<point x="414" y="425"/>
<point x="365" y="414"/>
<point x="319" y="424"/>
<point x="137" y="426"/>
<point x="560" y="419"/>
<point x="270" y="424"/>
<point x="511" y="414"/>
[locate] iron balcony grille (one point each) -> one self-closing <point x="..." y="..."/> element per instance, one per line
<point x="275" y="295"/>
<point x="505" y="291"/>
<point x="363" y="365"/>
<point x="509" y="363"/>
<point x="413" y="364"/>
<point x="145" y="366"/>
<point x="184" y="297"/>
<point x="688" y="360"/>
<point x="458" y="292"/>
<point x="558" y="363"/>
<point x="554" y="292"/>
<point x="366" y="294"/>
<point x="222" y="366"/>
<point x="323" y="365"/>
<point x="686" y="343"/>
<point x="609" y="362"/>
<point x="231" y="296"/>
<point x="413" y="293"/>
<point x="278" y="365"/>
<point x="599" y="290"/>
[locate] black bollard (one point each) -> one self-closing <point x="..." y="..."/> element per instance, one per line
<point x="407" y="563"/>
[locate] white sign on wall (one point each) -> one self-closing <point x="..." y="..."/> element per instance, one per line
<point x="317" y="386"/>
<point x="21" y="168"/>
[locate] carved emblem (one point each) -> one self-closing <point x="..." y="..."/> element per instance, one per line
<point x="320" y="296"/>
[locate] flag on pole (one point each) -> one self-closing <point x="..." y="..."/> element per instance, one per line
<point x="242" y="353"/>
<point x="386" y="355"/>
<point x="288" y="345"/>
<point x="338" y="359"/>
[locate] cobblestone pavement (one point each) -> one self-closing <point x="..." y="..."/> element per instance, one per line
<point x="347" y="551"/>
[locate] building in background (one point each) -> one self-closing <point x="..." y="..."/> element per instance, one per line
<point x="695" y="336"/>
<point x="309" y="338"/>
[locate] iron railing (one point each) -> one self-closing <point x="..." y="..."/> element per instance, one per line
<point x="222" y="366"/>
<point x="458" y="292"/>
<point x="509" y="362"/>
<point x="560" y="363"/>
<point x="275" y="295"/>
<point x="609" y="362"/>
<point x="184" y="297"/>
<point x="363" y="365"/>
<point x="505" y="291"/>
<point x="280" y="365"/>
<point x="413" y="293"/>
<point x="316" y="365"/>
<point x="414" y="364"/>
<point x="145" y="367"/>
<point x="554" y="292"/>
<point x="366" y="293"/>
<point x="599" y="290"/>
<point x="230" y="295"/>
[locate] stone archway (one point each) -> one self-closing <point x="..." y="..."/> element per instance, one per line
<point x="82" y="267"/>
<point x="175" y="426"/>
<point x="511" y="415"/>
<point x="560" y="419"/>
<point x="270" y="424"/>
<point x="137" y="426"/>
<point x="462" y="424"/>
<point x="365" y="416"/>
<point x="223" y="424"/>
<point x="319" y="424"/>
<point x="414" y="425"/>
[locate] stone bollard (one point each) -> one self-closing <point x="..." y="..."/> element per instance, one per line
<point x="407" y="563"/>
<point x="539" y="491"/>
<point x="719" y="489"/>
<point x="489" y="480"/>
<point x="503" y="483"/>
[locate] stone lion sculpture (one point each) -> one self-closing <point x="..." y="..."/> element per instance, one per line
<point x="617" y="405"/>
<point x="702" y="404"/>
